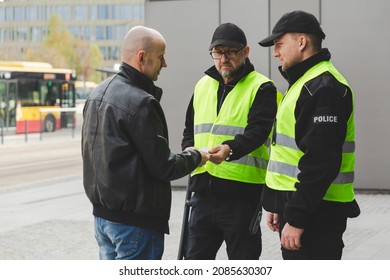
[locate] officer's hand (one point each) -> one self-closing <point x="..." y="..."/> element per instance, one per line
<point x="273" y="221"/>
<point x="291" y="237"/>
<point x="219" y="153"/>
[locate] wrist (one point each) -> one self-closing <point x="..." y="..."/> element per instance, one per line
<point x="229" y="154"/>
<point x="198" y="153"/>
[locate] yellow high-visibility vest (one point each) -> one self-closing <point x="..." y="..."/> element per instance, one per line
<point x="211" y="129"/>
<point x="283" y="169"/>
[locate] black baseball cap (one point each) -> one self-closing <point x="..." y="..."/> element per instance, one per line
<point x="228" y="34"/>
<point x="294" y="22"/>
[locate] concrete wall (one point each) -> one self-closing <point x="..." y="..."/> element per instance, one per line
<point x="356" y="34"/>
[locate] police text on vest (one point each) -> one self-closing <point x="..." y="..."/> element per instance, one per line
<point x="325" y="119"/>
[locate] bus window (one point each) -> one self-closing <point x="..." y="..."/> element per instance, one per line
<point x="72" y="95"/>
<point x="11" y="122"/>
<point x="3" y="102"/>
<point x="67" y="95"/>
<point x="51" y="95"/>
<point x="28" y="93"/>
<point x="8" y="104"/>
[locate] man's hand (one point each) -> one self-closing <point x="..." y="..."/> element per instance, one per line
<point x="205" y="158"/>
<point x="205" y="155"/>
<point x="291" y="237"/>
<point x="219" y="153"/>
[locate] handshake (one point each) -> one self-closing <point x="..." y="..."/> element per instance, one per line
<point x="216" y="154"/>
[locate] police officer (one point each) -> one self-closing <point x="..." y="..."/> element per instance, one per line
<point x="231" y="115"/>
<point x="309" y="193"/>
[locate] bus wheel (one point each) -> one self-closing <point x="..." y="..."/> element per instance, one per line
<point x="50" y="123"/>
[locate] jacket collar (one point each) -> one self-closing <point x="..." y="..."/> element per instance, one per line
<point x="295" y="72"/>
<point x="244" y="70"/>
<point x="140" y="80"/>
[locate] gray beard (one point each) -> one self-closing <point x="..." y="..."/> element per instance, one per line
<point x="225" y="74"/>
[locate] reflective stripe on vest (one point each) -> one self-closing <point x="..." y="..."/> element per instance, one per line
<point x="282" y="170"/>
<point x="211" y="129"/>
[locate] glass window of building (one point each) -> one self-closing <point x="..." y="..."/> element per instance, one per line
<point x="9" y="13"/>
<point x="42" y="13"/>
<point x="3" y="35"/>
<point x="103" y="52"/>
<point x="113" y="53"/>
<point x="100" y="32"/>
<point x="36" y="34"/>
<point x="116" y="32"/>
<point x="75" y="30"/>
<point x="81" y="12"/>
<point x="138" y="11"/>
<point x="113" y="12"/>
<point x="103" y="12"/>
<point x="50" y="10"/>
<point x="19" y="13"/>
<point x="124" y="11"/>
<point x="32" y="13"/>
<point x="109" y="33"/>
<point x="87" y="33"/>
<point x="93" y="12"/>
<point x="64" y="12"/>
<point x="21" y="33"/>
<point x="2" y="14"/>
<point x="119" y="31"/>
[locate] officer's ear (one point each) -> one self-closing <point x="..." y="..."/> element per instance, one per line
<point x="246" y="51"/>
<point x="302" y="42"/>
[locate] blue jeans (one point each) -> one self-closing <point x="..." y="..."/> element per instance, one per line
<point x="123" y="242"/>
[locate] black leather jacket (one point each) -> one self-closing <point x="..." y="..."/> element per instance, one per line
<point x="127" y="162"/>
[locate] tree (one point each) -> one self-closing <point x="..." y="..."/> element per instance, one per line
<point x="90" y="59"/>
<point x="62" y="50"/>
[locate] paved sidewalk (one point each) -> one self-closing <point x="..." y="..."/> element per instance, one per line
<point x="366" y="237"/>
<point x="53" y="221"/>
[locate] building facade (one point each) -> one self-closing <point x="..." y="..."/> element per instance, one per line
<point x="188" y="25"/>
<point x="350" y="27"/>
<point x="24" y="24"/>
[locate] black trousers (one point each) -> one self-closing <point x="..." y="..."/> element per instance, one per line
<point x="214" y="220"/>
<point x="321" y="240"/>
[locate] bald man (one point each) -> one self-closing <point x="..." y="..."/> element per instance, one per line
<point x="127" y="163"/>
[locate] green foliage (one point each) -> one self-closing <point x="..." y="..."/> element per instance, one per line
<point x="61" y="49"/>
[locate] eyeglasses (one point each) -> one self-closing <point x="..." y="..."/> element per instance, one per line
<point x="228" y="54"/>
